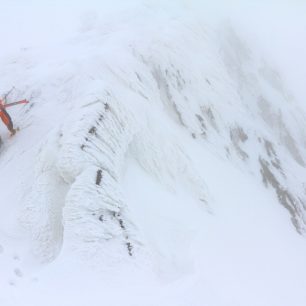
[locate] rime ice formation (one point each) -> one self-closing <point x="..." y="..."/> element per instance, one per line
<point x="160" y="161"/>
<point x="106" y="97"/>
<point x="116" y="108"/>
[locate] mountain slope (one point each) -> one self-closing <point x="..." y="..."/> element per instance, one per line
<point x="159" y="158"/>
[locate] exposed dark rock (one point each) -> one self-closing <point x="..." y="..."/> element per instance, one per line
<point x="93" y="130"/>
<point x="99" y="177"/>
<point x="238" y="136"/>
<point x="283" y="195"/>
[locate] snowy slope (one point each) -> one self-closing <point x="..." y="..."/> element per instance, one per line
<point x="161" y="161"/>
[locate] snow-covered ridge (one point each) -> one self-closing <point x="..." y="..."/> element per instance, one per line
<point x="76" y="195"/>
<point x="159" y="161"/>
<point x="107" y="94"/>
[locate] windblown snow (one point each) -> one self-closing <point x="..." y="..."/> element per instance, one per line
<point x="160" y="161"/>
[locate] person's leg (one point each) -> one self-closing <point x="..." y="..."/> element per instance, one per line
<point x="5" y="117"/>
<point x="11" y="129"/>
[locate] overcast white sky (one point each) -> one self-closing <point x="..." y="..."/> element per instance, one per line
<point x="279" y="30"/>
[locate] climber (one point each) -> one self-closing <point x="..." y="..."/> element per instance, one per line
<point x="5" y="117"/>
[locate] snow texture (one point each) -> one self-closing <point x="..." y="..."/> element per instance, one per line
<point x="159" y="154"/>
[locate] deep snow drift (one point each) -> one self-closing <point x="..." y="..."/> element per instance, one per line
<point x="161" y="161"/>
